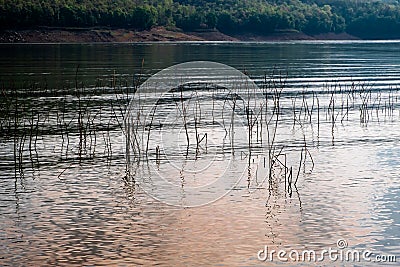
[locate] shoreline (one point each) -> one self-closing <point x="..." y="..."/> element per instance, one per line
<point x="156" y="34"/>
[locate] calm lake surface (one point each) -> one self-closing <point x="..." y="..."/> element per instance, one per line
<point x="62" y="207"/>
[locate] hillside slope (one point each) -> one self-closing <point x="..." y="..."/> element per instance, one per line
<point x="364" y="19"/>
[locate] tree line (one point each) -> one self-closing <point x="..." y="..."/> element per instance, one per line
<point x="367" y="19"/>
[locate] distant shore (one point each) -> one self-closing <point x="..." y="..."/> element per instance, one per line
<point x="161" y="34"/>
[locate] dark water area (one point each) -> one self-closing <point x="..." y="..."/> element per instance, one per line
<point x="305" y="62"/>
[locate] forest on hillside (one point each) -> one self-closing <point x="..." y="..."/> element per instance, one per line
<point x="365" y="19"/>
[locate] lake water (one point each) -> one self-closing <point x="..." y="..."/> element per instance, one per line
<point x="68" y="198"/>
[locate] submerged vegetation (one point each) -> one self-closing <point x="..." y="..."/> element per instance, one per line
<point x="365" y="19"/>
<point x="75" y="124"/>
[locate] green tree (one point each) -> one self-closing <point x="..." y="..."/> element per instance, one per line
<point x="143" y="18"/>
<point x="211" y="20"/>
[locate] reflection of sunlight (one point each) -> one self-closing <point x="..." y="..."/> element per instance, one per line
<point x="389" y="157"/>
<point x="345" y="183"/>
<point x="387" y="211"/>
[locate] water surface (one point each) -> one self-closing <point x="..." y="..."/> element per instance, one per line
<point x="81" y="211"/>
